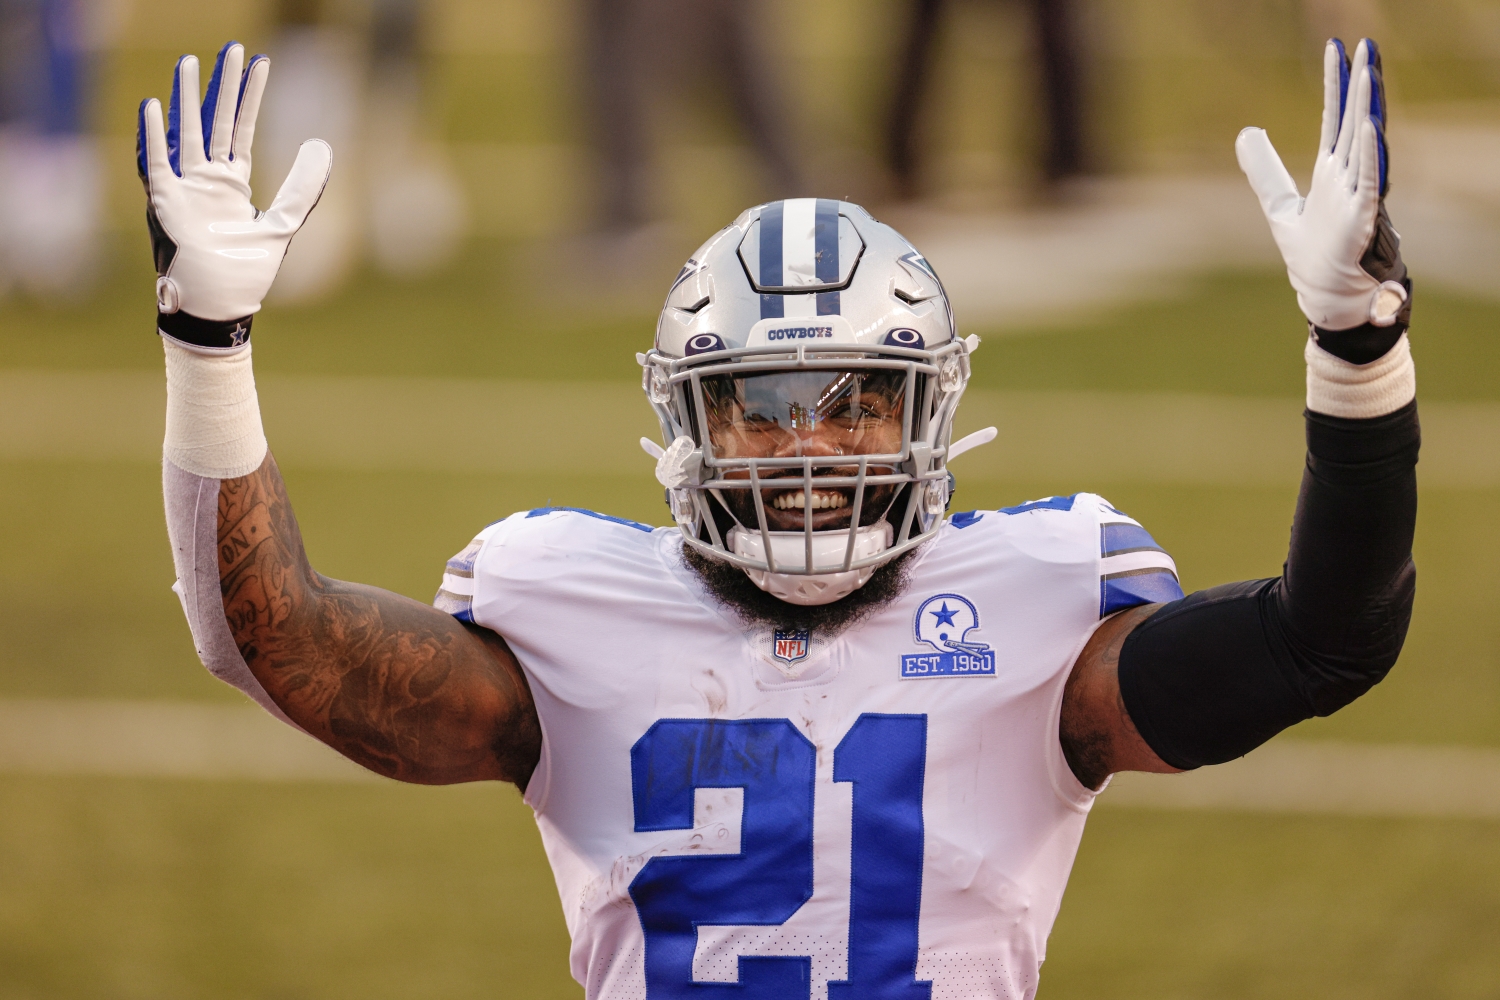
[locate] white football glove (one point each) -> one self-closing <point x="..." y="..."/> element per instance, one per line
<point x="1341" y="253"/>
<point x="215" y="254"/>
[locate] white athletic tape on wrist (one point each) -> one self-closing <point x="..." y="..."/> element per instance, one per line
<point x="1337" y="388"/>
<point x="193" y="526"/>
<point x="213" y="415"/>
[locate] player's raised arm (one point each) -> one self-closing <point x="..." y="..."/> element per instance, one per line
<point x="396" y="685"/>
<point x="1210" y="677"/>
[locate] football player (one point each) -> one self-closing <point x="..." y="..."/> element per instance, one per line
<point x="818" y="739"/>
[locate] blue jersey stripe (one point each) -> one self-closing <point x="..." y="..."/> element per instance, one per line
<point x="457" y="605"/>
<point x="1050" y="503"/>
<point x="772" y="306"/>
<point x="1129" y="590"/>
<point x="1115" y="539"/>
<point x="542" y="511"/>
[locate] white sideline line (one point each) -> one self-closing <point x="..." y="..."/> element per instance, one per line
<point x="145" y="739"/>
<point x="1073" y="439"/>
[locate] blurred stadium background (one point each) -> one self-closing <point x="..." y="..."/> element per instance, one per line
<point x="158" y="840"/>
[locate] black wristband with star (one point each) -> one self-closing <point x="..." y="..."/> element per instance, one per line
<point x="205" y="334"/>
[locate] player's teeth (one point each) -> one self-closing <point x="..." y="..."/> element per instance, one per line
<point x="820" y="501"/>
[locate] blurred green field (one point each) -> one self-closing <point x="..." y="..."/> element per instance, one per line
<point x="136" y="889"/>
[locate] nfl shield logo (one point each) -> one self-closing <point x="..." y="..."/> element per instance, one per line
<point x="791" y="644"/>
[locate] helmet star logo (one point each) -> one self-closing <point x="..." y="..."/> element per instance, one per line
<point x="948" y="632"/>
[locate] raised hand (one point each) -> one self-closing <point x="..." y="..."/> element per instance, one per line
<point x="216" y="255"/>
<point x="1341" y="253"/>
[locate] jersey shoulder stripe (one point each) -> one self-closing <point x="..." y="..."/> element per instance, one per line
<point x="1133" y="568"/>
<point x="456" y="593"/>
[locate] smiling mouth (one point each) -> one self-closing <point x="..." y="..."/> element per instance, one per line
<point x="821" y="500"/>
<point x="786" y="507"/>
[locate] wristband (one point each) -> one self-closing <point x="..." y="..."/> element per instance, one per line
<point x="205" y="336"/>
<point x="1338" y="388"/>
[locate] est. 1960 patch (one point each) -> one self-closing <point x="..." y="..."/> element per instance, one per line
<point x="944" y="623"/>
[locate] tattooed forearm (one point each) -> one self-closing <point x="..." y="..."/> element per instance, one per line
<point x="398" y="686"/>
<point x="1097" y="734"/>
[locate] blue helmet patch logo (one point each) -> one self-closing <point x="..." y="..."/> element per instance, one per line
<point x="946" y="623"/>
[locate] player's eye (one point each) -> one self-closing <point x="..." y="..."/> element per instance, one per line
<point x="856" y="416"/>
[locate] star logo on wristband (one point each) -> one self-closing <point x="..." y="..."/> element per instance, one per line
<point x="240" y="335"/>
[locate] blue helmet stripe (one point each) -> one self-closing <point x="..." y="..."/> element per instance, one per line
<point x="771" y="306"/>
<point x="826" y="242"/>
<point x="770" y="244"/>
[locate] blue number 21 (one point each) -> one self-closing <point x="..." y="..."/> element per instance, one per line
<point x="884" y="756"/>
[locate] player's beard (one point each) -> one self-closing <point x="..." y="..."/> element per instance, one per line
<point x="735" y="591"/>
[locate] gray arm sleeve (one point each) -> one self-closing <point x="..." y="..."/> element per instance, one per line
<point x="193" y="526"/>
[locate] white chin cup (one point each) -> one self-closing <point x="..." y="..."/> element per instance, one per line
<point x="828" y="551"/>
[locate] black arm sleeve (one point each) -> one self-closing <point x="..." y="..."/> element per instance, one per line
<point x="1214" y="675"/>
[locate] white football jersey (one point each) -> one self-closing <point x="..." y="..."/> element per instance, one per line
<point x="768" y="815"/>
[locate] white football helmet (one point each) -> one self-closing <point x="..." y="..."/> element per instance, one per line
<point x="806" y="372"/>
